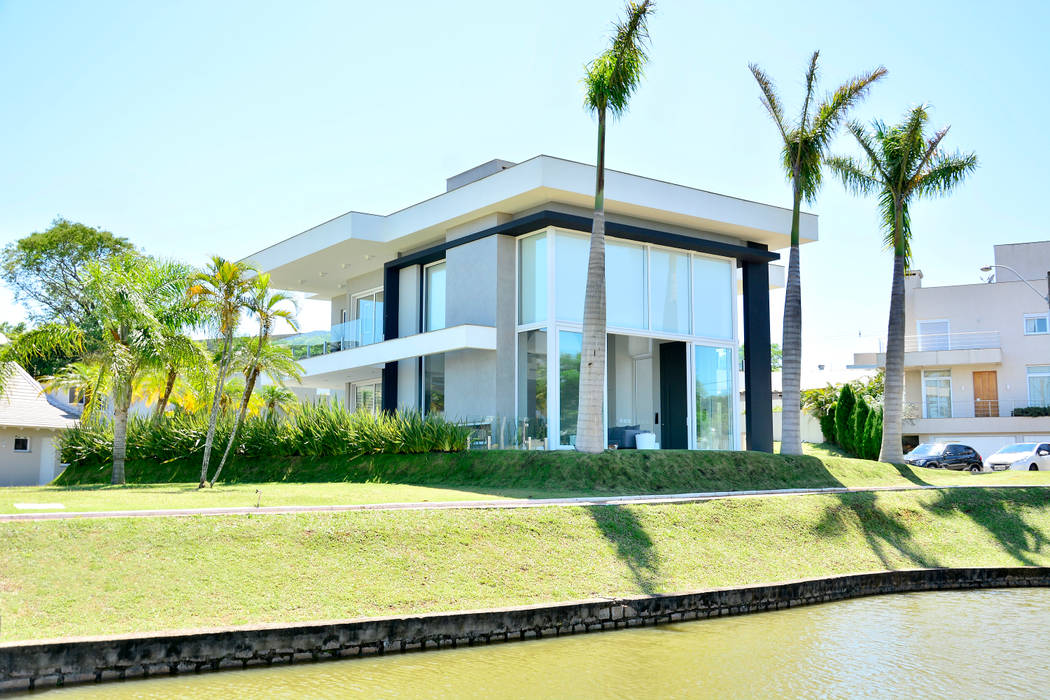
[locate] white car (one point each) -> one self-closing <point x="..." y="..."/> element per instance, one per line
<point x="1022" y="456"/>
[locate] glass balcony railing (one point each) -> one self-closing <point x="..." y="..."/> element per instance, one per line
<point x="977" y="408"/>
<point x="342" y="336"/>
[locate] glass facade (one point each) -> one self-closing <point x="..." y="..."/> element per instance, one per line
<point x="434" y="384"/>
<point x="654" y="295"/>
<point x="937" y="390"/>
<point x="1039" y="385"/>
<point x="434" y="297"/>
<point x="714" y="398"/>
<point x="368" y="397"/>
<point x="532" y="384"/>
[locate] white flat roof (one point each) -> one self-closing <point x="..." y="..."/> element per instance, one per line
<point x="319" y="259"/>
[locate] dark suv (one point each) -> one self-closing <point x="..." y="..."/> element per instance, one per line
<point x="945" y="455"/>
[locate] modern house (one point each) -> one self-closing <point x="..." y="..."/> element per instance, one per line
<point x="978" y="358"/>
<point x="31" y="426"/>
<point x="470" y="303"/>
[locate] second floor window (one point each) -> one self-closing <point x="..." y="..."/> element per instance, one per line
<point x="937" y="393"/>
<point x="434" y="297"/>
<point x="1035" y="324"/>
<point x="1039" y="385"/>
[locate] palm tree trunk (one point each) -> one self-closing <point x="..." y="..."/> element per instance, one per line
<point x="121" y="401"/>
<point x="791" y="361"/>
<point x="893" y="394"/>
<point x="169" y="385"/>
<point x="590" y="419"/>
<point x="248" y="388"/>
<point x="224" y="366"/>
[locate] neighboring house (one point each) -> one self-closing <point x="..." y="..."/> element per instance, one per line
<point x="470" y="304"/>
<point x="978" y="353"/>
<point x="31" y="426"/>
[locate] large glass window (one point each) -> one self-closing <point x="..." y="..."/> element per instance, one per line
<point x="625" y="285"/>
<point x="532" y="294"/>
<point x="532" y="384"/>
<point x="714" y="295"/>
<point x="937" y="390"/>
<point x="934" y="335"/>
<point x="367" y="323"/>
<point x="434" y="383"/>
<point x="1035" y="324"/>
<point x="434" y="297"/>
<point x="1039" y="385"/>
<point x="714" y="398"/>
<point x="368" y="397"/>
<point x="670" y="288"/>
<point x="570" y="276"/>
<point x="570" y="349"/>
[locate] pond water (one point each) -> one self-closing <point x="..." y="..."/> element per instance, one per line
<point x="942" y="644"/>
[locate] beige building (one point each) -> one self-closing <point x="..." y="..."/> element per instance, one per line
<point x="978" y="355"/>
<point x="31" y="426"/>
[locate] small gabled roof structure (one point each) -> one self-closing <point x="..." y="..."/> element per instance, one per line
<point x="24" y="404"/>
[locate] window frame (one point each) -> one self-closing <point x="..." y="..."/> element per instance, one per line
<point x="951" y="392"/>
<point x="424" y="293"/>
<point x="1046" y="321"/>
<point x="29" y="444"/>
<point x="1028" y="379"/>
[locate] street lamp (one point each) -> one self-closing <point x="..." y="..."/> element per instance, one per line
<point x="1044" y="297"/>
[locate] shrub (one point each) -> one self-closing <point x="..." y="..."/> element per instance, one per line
<point x="321" y="430"/>
<point x="844" y="418"/>
<point x="858" y="426"/>
<point x="873" y="434"/>
<point x="827" y="424"/>
<point x="1031" y="411"/>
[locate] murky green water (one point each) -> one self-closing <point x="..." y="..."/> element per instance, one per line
<point x="949" y="644"/>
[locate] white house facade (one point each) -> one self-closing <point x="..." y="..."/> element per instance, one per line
<point x="31" y="426"/>
<point x="470" y="303"/>
<point x="977" y="361"/>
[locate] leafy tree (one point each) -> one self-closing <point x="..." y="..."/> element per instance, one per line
<point x="221" y="292"/>
<point x="267" y="306"/>
<point x="873" y="434"/>
<point x="46" y="270"/>
<point x="843" y="418"/>
<point x="276" y="398"/>
<point x="827" y="425"/>
<point x="858" y="427"/>
<point x="805" y="144"/>
<point x="901" y="164"/>
<point x="610" y="81"/>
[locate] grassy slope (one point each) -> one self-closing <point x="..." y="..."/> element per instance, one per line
<point x="106" y="576"/>
<point x="483" y="475"/>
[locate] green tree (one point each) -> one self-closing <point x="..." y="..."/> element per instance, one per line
<point x="873" y="434"/>
<point x="610" y="81"/>
<point x="221" y="292"/>
<point x="276" y="398"/>
<point x="268" y="306"/>
<point x="843" y="418"/>
<point x="130" y="295"/>
<point x="46" y="270"/>
<point x="900" y="165"/>
<point x="804" y="146"/>
<point x="858" y="427"/>
<point x="827" y="424"/>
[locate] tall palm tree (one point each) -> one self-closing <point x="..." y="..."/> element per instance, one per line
<point x="267" y="306"/>
<point x="221" y="292"/>
<point x="901" y="164"/>
<point x="129" y="294"/>
<point x="610" y="81"/>
<point x="805" y="144"/>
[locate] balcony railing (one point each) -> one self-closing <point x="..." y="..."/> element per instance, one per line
<point x="978" y="408"/>
<point x="980" y="340"/>
<point x="342" y="336"/>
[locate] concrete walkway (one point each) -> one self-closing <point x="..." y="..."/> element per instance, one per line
<point x="502" y="504"/>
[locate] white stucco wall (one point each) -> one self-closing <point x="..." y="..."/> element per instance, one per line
<point x="36" y="467"/>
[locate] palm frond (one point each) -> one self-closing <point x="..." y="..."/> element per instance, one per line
<point x="769" y="99"/>
<point x="613" y="76"/>
<point x="946" y="172"/>
<point x="854" y="177"/>
<point x="835" y="106"/>
<point x="811" y="81"/>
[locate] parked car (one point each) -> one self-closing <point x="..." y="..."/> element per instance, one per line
<point x="945" y="455"/>
<point x="1022" y="456"/>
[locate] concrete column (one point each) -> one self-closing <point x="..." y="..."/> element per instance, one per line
<point x="758" y="387"/>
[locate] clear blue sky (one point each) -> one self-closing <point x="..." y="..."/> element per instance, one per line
<point x="200" y="127"/>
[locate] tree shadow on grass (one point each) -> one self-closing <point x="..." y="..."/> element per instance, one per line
<point x="633" y="545"/>
<point x="910" y="473"/>
<point x="998" y="512"/>
<point x="887" y="536"/>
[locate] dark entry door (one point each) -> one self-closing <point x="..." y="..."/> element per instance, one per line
<point x="674" y="406"/>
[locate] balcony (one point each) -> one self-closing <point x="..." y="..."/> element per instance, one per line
<point x="941" y="350"/>
<point x="342" y="336"/>
<point x="972" y="416"/>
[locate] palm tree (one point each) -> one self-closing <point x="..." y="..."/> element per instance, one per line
<point x="221" y="292"/>
<point x="610" y="80"/>
<point x="266" y="305"/>
<point x="900" y="165"/>
<point x="276" y="397"/>
<point x="804" y="147"/>
<point x="86" y="379"/>
<point x="129" y="294"/>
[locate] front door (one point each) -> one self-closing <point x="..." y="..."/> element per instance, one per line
<point x="674" y="404"/>
<point x="985" y="394"/>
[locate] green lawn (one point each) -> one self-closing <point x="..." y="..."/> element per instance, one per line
<point x="482" y="475"/>
<point x="78" y="577"/>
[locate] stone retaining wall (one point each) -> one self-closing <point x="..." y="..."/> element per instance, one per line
<point x="28" y="665"/>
